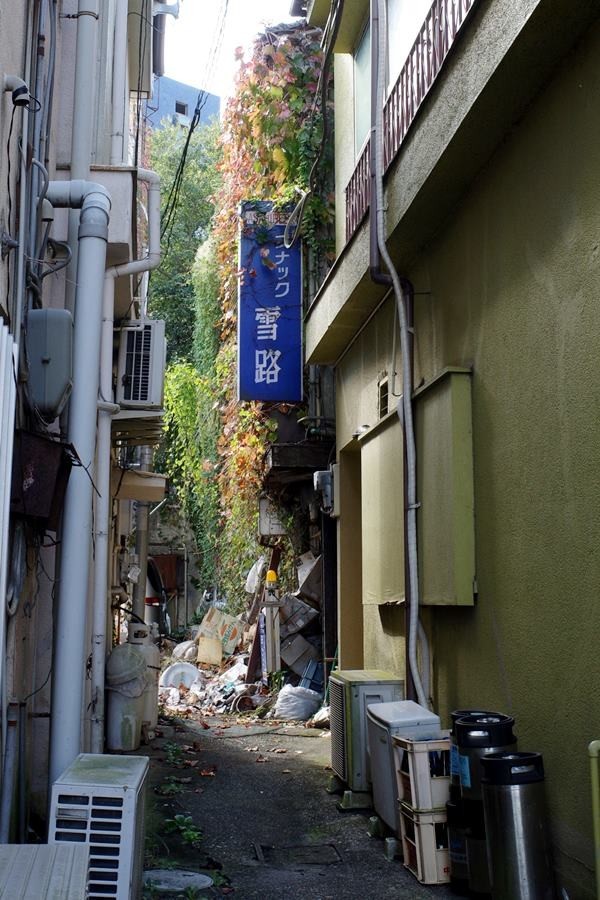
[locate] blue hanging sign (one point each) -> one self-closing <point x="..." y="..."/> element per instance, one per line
<point x="270" y="361"/>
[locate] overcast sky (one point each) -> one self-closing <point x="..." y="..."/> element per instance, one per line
<point x="190" y="38"/>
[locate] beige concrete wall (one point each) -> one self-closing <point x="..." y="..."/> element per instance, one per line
<point x="510" y="286"/>
<point x="12" y="62"/>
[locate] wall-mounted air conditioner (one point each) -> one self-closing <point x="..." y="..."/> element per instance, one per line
<point x="99" y="801"/>
<point x="141" y="364"/>
<point x="350" y="692"/>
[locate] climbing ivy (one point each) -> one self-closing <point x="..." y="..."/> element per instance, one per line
<point x="271" y="132"/>
<point x="215" y="446"/>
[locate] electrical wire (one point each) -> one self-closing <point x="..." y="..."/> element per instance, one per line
<point x="322" y="88"/>
<point x="8" y="194"/>
<point x="172" y="202"/>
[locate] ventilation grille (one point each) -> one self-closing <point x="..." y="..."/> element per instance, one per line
<point x="141" y="364"/>
<point x="136" y="378"/>
<point x="337" y="715"/>
<point x="98" y="821"/>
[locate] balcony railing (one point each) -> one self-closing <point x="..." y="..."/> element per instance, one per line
<point x="419" y="72"/>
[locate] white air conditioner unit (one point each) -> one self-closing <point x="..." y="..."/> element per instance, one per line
<point x="99" y="801"/>
<point x="141" y="364"/>
<point x="350" y="692"/>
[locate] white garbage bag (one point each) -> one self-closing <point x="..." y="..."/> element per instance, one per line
<point x="296" y="703"/>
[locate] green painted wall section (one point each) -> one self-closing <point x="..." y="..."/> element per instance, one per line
<point x="511" y="287"/>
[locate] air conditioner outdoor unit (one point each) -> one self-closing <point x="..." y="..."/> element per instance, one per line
<point x="99" y="801"/>
<point x="350" y="692"/>
<point x="141" y="364"/>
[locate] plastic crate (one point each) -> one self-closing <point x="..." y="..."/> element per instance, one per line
<point x="425" y="844"/>
<point x="422" y="772"/>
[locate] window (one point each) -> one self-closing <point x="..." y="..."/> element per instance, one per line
<point x="362" y="90"/>
<point x="405" y="18"/>
<point x="383" y="397"/>
<point x="181" y="108"/>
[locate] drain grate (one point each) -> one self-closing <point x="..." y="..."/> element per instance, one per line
<point x="299" y="855"/>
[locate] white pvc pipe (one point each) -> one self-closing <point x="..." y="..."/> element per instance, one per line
<point x="83" y="108"/>
<point x="68" y="674"/>
<point x="106" y="410"/>
<point x="118" y="136"/>
<point x="408" y="424"/>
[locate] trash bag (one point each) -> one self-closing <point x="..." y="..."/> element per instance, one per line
<point x="254" y="576"/>
<point x="296" y="703"/>
<point x="187" y="650"/>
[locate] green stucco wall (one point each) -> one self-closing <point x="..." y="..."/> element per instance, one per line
<point x="511" y="287"/>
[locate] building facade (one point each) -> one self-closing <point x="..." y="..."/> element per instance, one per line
<point x="491" y="215"/>
<point x="72" y="275"/>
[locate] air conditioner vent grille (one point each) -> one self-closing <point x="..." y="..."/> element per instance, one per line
<point x="105" y="811"/>
<point x="338" y="729"/>
<point x="136" y="377"/>
<point x="141" y="365"/>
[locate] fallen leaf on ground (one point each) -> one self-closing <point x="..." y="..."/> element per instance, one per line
<point x="209" y="772"/>
<point x="286" y="771"/>
<point x="251" y="749"/>
<point x="261" y="759"/>
<point x="191" y="762"/>
<point x="279" y="750"/>
<point x="203" y="724"/>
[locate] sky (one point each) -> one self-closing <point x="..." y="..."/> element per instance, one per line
<point x="190" y="39"/>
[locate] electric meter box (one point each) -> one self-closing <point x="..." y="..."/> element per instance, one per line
<point x="49" y="345"/>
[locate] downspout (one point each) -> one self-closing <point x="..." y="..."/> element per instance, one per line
<point x="106" y="410"/>
<point x="403" y="292"/>
<point x="142" y="524"/>
<point x="594" y="754"/>
<point x="117" y="136"/>
<point x="69" y="657"/>
<point x="83" y="108"/>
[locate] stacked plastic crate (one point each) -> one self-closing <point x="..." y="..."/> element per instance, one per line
<point x="423" y="780"/>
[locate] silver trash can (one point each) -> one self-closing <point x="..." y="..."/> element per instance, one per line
<point x="478" y="735"/>
<point x="515" y="824"/>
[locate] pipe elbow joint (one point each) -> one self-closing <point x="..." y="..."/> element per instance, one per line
<point x="18" y="89"/>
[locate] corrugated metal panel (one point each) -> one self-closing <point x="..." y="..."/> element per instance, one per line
<point x="30" y="872"/>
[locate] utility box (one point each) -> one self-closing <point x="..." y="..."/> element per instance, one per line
<point x="49" y="345"/>
<point x="351" y="691"/>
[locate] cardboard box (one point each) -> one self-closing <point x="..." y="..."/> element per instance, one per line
<point x="296" y="653"/>
<point x="210" y="650"/>
<point x="294" y="615"/>
<point x="228" y="629"/>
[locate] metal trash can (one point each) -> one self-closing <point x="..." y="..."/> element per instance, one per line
<point x="515" y="823"/>
<point x="478" y="735"/>
<point x="457" y="820"/>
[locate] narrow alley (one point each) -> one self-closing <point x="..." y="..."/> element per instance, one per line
<point x="257" y="793"/>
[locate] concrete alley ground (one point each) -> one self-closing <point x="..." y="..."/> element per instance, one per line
<point x="257" y="793"/>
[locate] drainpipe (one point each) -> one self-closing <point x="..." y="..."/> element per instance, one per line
<point x="594" y="754"/>
<point x="403" y="292"/>
<point x="117" y="138"/>
<point x="106" y="410"/>
<point x="83" y="108"/>
<point x="142" y="521"/>
<point x="68" y="676"/>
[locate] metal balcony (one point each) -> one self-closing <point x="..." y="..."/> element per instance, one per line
<point x="424" y="62"/>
